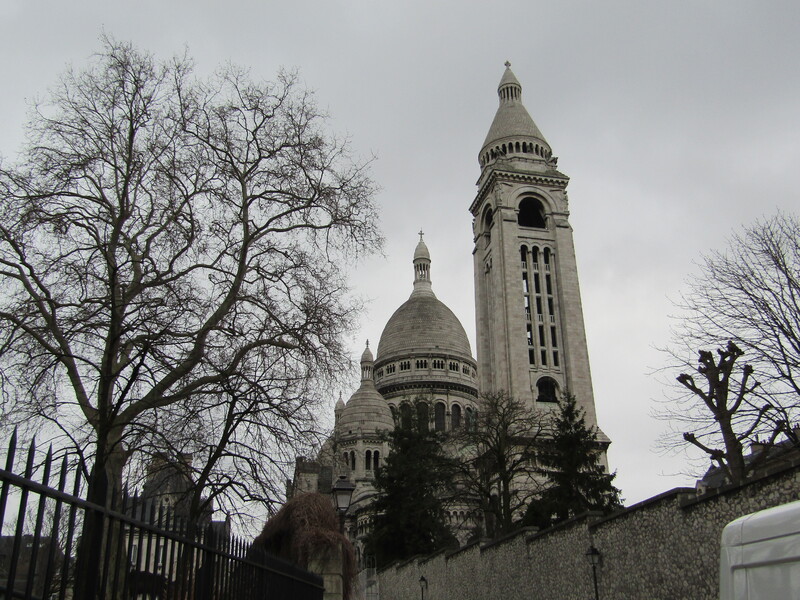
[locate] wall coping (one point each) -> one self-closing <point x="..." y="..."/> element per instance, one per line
<point x="469" y="546"/>
<point x="657" y="499"/>
<point x="439" y="552"/>
<point x="781" y="466"/>
<point x="508" y="536"/>
<point x="589" y="514"/>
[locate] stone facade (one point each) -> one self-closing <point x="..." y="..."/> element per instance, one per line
<point x="666" y="547"/>
<point x="531" y="341"/>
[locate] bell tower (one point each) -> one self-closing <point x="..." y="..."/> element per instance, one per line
<point x="531" y="338"/>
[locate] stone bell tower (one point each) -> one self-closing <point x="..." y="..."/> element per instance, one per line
<point x="531" y="338"/>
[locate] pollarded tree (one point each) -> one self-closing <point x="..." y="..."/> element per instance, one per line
<point x="750" y="294"/>
<point x="170" y="258"/>
<point x="570" y="460"/>
<point x="722" y="407"/>
<point x="497" y="466"/>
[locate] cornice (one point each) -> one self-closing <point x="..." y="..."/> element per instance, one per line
<point x="552" y="178"/>
<point x="425" y="387"/>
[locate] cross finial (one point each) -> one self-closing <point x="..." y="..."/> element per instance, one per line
<point x="508" y="64"/>
<point x="420" y="235"/>
<point x="367" y="343"/>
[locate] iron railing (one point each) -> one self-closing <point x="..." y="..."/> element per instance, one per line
<point x="56" y="545"/>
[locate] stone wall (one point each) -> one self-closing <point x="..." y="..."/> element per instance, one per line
<point x="663" y="548"/>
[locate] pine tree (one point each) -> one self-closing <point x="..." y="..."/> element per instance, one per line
<point x="571" y="462"/>
<point x="408" y="514"/>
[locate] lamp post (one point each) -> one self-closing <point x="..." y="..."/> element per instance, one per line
<point x="423" y="585"/>
<point x="342" y="492"/>
<point x="593" y="556"/>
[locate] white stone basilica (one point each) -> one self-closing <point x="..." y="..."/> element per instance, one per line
<point x="530" y="331"/>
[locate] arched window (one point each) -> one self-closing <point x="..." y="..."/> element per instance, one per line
<point x="488" y="221"/>
<point x="376" y="457"/>
<point x="455" y="416"/>
<point x="368" y="461"/>
<point x="547" y="389"/>
<point x="469" y="418"/>
<point x="352" y="460"/>
<point x="531" y="214"/>
<point x="438" y="416"/>
<point x="422" y="416"/>
<point x="405" y="416"/>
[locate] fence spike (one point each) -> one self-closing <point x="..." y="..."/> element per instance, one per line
<point x="31" y="455"/>
<point x="12" y="451"/>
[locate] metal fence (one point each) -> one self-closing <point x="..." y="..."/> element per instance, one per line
<point x="63" y="547"/>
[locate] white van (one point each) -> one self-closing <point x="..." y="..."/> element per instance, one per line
<point x="760" y="555"/>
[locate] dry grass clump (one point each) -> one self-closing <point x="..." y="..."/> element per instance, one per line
<point x="307" y="527"/>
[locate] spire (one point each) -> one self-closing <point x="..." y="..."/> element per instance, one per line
<point x="422" y="269"/>
<point x="513" y="131"/>
<point x="509" y="89"/>
<point x="367" y="361"/>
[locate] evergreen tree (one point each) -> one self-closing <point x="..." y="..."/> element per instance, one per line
<point x="408" y="514"/>
<point x="571" y="462"/>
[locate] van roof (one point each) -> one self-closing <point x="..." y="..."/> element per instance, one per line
<point x="773" y="522"/>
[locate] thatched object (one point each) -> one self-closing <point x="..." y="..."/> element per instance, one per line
<point x="307" y="528"/>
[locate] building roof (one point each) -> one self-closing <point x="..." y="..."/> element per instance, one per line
<point x="511" y="119"/>
<point x="366" y="410"/>
<point x="423" y="324"/>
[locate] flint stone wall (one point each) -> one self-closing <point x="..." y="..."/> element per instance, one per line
<point x="665" y="547"/>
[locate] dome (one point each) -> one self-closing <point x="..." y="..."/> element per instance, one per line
<point x="421" y="251"/>
<point x="366" y="356"/>
<point x="366" y="410"/>
<point x="422" y="324"/>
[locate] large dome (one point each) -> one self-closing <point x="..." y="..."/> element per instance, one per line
<point x="423" y="324"/>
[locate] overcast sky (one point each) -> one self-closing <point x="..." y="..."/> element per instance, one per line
<point x="677" y="122"/>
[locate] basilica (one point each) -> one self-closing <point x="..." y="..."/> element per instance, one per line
<point x="531" y="341"/>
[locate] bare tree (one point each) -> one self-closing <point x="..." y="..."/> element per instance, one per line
<point x="497" y="464"/>
<point x="750" y="294"/>
<point x="171" y="259"/>
<point x="729" y="412"/>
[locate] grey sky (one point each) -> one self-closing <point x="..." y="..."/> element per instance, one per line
<point x="676" y="121"/>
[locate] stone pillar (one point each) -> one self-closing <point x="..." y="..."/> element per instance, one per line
<point x="329" y="566"/>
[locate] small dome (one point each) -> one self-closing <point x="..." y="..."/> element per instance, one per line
<point x="421" y="251"/>
<point x="366" y="410"/>
<point x="339" y="403"/>
<point x="366" y="356"/>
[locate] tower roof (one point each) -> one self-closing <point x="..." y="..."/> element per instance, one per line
<point x="511" y="121"/>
